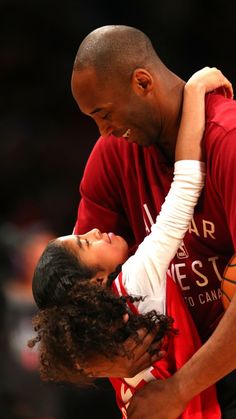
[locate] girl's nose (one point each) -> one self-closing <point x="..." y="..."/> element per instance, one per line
<point x="97" y="233"/>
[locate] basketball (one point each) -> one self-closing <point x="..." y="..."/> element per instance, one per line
<point x="228" y="285"/>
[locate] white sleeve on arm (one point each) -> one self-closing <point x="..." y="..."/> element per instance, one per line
<point x="177" y="210"/>
<point x="145" y="272"/>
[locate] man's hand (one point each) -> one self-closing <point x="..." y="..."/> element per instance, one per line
<point x="143" y="353"/>
<point x="156" y="400"/>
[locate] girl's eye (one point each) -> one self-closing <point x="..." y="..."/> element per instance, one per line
<point x="87" y="242"/>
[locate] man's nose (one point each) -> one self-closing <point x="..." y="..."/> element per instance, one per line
<point x="105" y="129"/>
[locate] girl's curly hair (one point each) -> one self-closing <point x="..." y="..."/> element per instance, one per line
<point x="88" y="323"/>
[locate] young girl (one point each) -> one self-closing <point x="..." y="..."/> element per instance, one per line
<point x="86" y="325"/>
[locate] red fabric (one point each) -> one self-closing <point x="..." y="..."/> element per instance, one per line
<point x="124" y="186"/>
<point x="179" y="349"/>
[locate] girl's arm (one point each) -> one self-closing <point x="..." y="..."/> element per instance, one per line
<point x="192" y="126"/>
<point x="146" y="270"/>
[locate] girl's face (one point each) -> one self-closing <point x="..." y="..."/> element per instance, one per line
<point x="96" y="249"/>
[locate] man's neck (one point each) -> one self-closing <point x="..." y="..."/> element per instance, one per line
<point x="171" y="121"/>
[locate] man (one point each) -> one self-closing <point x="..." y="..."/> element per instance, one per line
<point x="136" y="101"/>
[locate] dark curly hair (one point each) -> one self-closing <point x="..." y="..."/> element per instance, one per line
<point x="57" y="271"/>
<point x="88" y="323"/>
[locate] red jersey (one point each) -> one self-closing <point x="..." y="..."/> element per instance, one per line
<point x="179" y="349"/>
<point x="124" y="186"/>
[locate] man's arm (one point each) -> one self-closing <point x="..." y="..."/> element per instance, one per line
<point x="216" y="358"/>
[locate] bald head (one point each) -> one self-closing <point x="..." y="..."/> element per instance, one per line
<point x="119" y="80"/>
<point x="116" y="48"/>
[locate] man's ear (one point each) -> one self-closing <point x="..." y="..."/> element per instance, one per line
<point x="142" y="81"/>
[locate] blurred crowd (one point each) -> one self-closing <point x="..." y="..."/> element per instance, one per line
<point x="44" y="144"/>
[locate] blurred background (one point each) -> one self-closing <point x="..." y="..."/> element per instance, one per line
<point x="44" y="144"/>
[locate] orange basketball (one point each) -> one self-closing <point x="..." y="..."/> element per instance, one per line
<point x="228" y="285"/>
